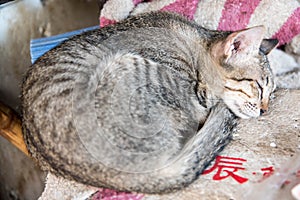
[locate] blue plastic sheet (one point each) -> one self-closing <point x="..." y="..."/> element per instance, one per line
<point x="41" y="45"/>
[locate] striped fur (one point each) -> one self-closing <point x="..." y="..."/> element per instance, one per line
<point x="141" y="105"/>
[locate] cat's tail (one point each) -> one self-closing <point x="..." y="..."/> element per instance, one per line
<point x="193" y="159"/>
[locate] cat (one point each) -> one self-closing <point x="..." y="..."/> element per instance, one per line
<point x="143" y="105"/>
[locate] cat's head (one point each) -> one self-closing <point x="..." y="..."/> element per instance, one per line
<point x="242" y="58"/>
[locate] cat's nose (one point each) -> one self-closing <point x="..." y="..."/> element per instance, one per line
<point x="264" y="107"/>
<point x="263" y="111"/>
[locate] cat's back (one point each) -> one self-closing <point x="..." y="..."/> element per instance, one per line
<point x="167" y="39"/>
<point x="156" y="31"/>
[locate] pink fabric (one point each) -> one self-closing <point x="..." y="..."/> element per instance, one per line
<point x="236" y="14"/>
<point x="136" y="2"/>
<point x="107" y="194"/>
<point x="104" y="21"/>
<point x="184" y="7"/>
<point x="289" y="29"/>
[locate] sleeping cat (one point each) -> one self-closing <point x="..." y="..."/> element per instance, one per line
<point x="143" y="105"/>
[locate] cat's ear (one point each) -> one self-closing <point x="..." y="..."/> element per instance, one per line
<point x="243" y="42"/>
<point x="267" y="45"/>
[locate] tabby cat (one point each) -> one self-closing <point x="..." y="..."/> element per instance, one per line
<point x="143" y="105"/>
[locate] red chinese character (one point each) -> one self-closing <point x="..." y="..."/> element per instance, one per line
<point x="268" y="171"/>
<point x="226" y="167"/>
